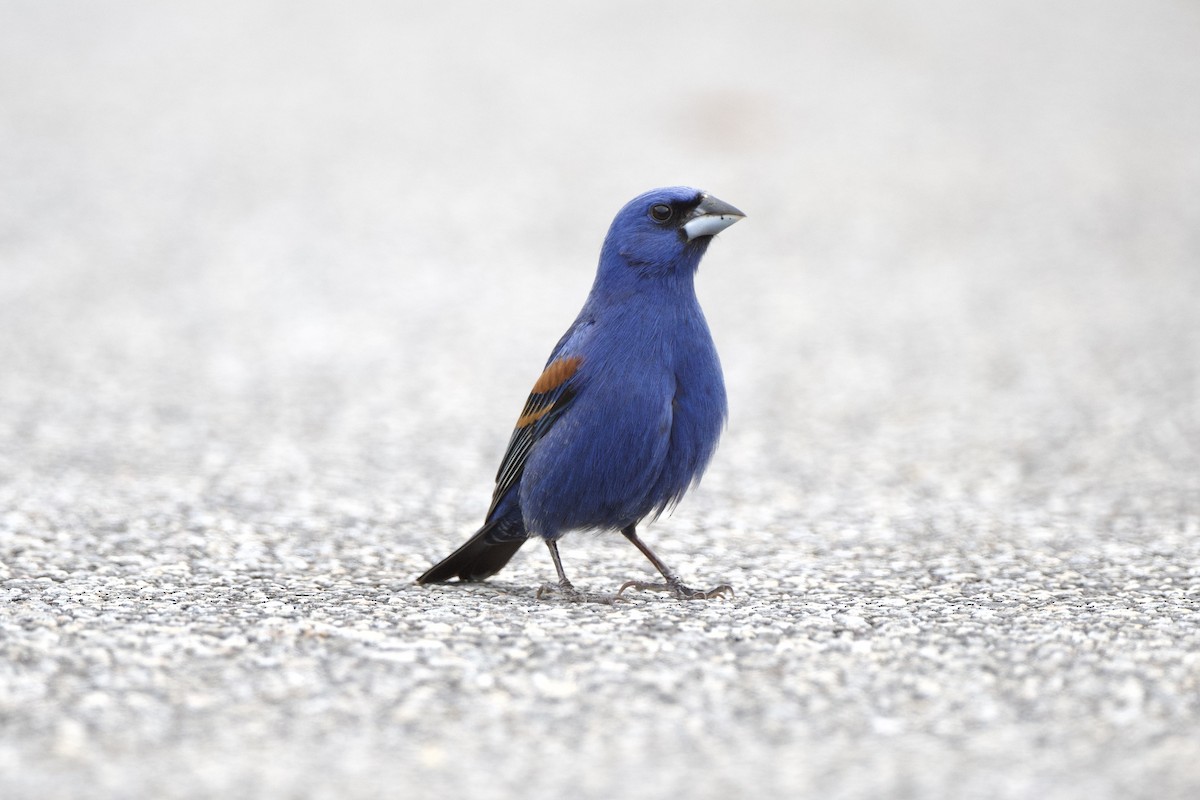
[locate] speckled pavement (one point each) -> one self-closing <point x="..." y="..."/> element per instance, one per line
<point x="275" y="279"/>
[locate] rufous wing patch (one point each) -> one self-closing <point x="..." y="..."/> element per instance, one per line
<point x="556" y="374"/>
<point x="533" y="416"/>
<point x="552" y="379"/>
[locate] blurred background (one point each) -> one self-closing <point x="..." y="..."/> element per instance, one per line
<point x="309" y="230"/>
<point x="275" y="278"/>
<point x="395" y="209"/>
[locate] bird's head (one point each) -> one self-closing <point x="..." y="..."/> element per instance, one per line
<point x="664" y="231"/>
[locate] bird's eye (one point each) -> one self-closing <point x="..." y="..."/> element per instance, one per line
<point x="660" y="212"/>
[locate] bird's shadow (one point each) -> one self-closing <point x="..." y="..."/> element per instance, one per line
<point x="550" y="594"/>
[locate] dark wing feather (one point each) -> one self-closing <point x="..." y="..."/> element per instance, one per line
<point x="551" y="395"/>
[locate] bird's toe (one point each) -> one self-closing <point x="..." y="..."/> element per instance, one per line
<point x="567" y="592"/>
<point x="678" y="588"/>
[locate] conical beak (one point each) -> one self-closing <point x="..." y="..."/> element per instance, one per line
<point x="710" y="217"/>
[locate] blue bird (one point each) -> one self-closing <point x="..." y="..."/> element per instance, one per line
<point x="628" y="410"/>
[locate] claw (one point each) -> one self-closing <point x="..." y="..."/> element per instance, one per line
<point x="564" y="587"/>
<point x="678" y="588"/>
<point x="572" y="595"/>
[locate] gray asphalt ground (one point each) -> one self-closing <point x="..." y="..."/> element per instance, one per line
<point x="276" y="279"/>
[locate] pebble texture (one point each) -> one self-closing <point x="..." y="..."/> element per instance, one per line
<point x="275" y="279"/>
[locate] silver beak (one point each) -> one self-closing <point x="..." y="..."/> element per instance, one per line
<point x="710" y="217"/>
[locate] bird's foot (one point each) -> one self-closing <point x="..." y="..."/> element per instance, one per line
<point x="563" y="587"/>
<point x="567" y="591"/>
<point x="678" y="588"/>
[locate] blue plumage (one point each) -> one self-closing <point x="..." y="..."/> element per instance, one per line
<point x="629" y="408"/>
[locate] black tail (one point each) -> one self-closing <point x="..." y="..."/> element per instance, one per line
<point x="475" y="560"/>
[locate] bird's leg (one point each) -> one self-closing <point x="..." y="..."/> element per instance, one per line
<point x="565" y="588"/>
<point x="673" y="584"/>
